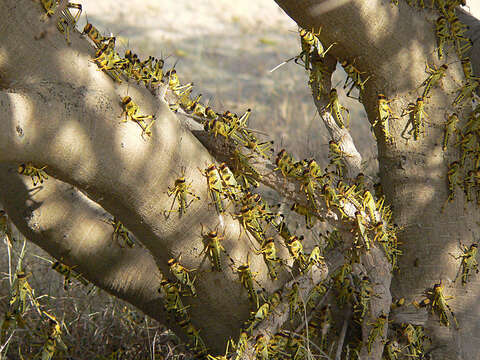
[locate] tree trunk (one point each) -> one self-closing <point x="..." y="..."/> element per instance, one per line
<point x="69" y="120"/>
<point x="394" y="43"/>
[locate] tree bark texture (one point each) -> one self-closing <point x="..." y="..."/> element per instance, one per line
<point x="393" y="44"/>
<point x="53" y="114"/>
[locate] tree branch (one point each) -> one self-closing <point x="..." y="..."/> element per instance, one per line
<point x="70" y="227"/>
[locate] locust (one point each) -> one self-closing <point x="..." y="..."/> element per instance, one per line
<point x="68" y="273"/>
<point x="259" y="315"/>
<point x="246" y="279"/>
<point x="50" y="6"/>
<point x="261" y="347"/>
<point x="215" y="187"/>
<point x="469" y="262"/>
<point x="264" y="149"/>
<point x="439" y="304"/>
<point x="435" y="75"/>
<point x="132" y="66"/>
<point x="311" y="43"/>
<point x="317" y="77"/>
<point x="108" y="60"/>
<point x="364" y="294"/>
<point x="250" y="216"/>
<point x="49" y="348"/>
<point x="66" y="21"/>
<point x="174" y="83"/>
<point x="8" y="322"/>
<point x="458" y="30"/>
<point x="278" y="344"/>
<point x="361" y="229"/>
<point x="232" y="189"/>
<point x="181" y="190"/>
<point x="120" y="231"/>
<point x="466" y="92"/>
<point x="469" y="184"/>
<point x="182" y="274"/>
<point x="55" y="330"/>
<point x="468" y="144"/>
<point x="241" y="345"/>
<point x="354" y="77"/>
<point x="337" y="157"/>
<point x="20" y="290"/>
<point x="310" y="217"/>
<point x="193" y="334"/>
<point x="295" y="248"/>
<point x="385" y="114"/>
<point x="36" y="174"/>
<point x="337" y="110"/>
<point x="213" y="247"/>
<point x="270" y="256"/>
<point x="330" y="196"/>
<point x="450" y="129"/>
<point x="369" y="205"/>
<point x="314" y="258"/>
<point x="94" y="35"/>
<point x="468" y="69"/>
<point x="442" y="32"/>
<point x="295" y="302"/>
<point x="284" y="163"/>
<point x="245" y="174"/>
<point x="131" y="109"/>
<point x="310" y="181"/>
<point x="440" y="5"/>
<point x="415" y="338"/>
<point x="171" y="299"/>
<point x="376" y="331"/>
<point x="418" y="117"/>
<point x="453" y="176"/>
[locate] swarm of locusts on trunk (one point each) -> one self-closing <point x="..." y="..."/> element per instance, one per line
<point x="451" y="36"/>
<point x="231" y="189"/>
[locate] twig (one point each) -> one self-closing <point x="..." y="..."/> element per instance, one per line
<point x="322" y="353"/>
<point x="283" y="63"/>
<point x="6" y="342"/>
<point x="9" y="264"/>
<point x="338" y="355"/>
<point x="305" y="283"/>
<point x="341" y="136"/>
<point x="309" y="317"/>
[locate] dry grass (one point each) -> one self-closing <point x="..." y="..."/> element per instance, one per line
<point x="95" y="325"/>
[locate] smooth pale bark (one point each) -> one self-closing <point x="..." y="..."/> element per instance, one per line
<point x="68" y="120"/>
<point x="393" y="44"/>
<point x="60" y="111"/>
<point x="70" y="227"/>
